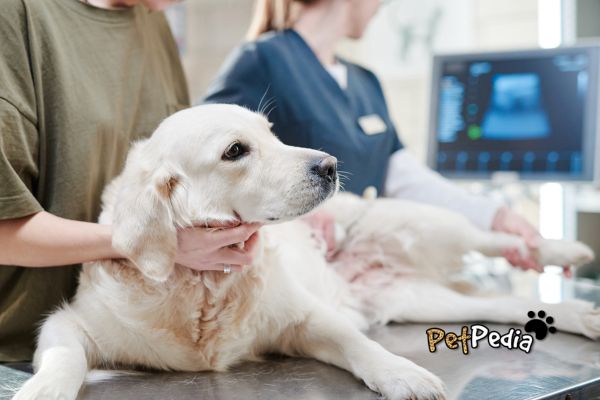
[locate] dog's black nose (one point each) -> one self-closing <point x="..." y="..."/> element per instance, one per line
<point x="326" y="168"/>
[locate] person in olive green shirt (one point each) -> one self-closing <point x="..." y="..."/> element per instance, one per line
<point x="79" y="81"/>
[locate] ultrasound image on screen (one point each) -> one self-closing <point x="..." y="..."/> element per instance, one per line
<point x="515" y="111"/>
<point x="524" y="114"/>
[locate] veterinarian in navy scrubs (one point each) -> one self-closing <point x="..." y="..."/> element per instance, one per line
<point x="315" y="99"/>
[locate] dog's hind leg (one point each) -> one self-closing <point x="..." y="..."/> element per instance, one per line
<point x="60" y="360"/>
<point x="331" y="338"/>
<point x="548" y="252"/>
<point x="414" y="300"/>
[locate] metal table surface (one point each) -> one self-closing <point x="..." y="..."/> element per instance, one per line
<point x="563" y="366"/>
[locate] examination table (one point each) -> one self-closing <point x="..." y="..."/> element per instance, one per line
<point x="562" y="366"/>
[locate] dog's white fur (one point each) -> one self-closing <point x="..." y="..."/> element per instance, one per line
<point x="147" y="311"/>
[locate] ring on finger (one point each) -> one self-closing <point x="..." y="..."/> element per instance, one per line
<point x="227" y="269"/>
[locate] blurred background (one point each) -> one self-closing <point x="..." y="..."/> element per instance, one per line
<point x="399" y="43"/>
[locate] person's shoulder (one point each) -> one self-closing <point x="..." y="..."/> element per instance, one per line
<point x="252" y="54"/>
<point x="12" y="5"/>
<point x="23" y="7"/>
<point x="269" y="44"/>
<point x="244" y="57"/>
<point x="270" y="39"/>
<point x="12" y="12"/>
<point x="255" y="58"/>
<point x="22" y="13"/>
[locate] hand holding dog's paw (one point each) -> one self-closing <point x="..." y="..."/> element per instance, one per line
<point x="403" y="380"/>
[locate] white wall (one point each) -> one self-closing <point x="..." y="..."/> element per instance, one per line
<point x="214" y="28"/>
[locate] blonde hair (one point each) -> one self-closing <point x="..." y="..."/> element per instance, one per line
<point x="273" y="15"/>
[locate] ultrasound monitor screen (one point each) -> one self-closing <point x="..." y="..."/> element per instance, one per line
<point x="526" y="112"/>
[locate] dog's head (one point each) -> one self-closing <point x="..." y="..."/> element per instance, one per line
<point x="211" y="163"/>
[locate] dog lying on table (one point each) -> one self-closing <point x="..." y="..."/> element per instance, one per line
<point x="221" y="162"/>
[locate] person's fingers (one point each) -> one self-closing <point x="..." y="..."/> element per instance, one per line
<point x="229" y="236"/>
<point x="513" y="256"/>
<point x="213" y="223"/>
<point x="233" y="256"/>
<point x="251" y="244"/>
<point x="530" y="263"/>
<point x="510" y="255"/>
<point x="533" y="242"/>
<point x="195" y="237"/>
<point x="514" y="261"/>
<point x="530" y="235"/>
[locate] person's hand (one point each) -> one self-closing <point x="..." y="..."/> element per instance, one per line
<point x="323" y="225"/>
<point x="207" y="249"/>
<point x="508" y="221"/>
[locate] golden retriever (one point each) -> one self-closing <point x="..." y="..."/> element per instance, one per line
<point x="221" y="162"/>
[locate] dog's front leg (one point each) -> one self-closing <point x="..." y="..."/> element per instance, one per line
<point x="329" y="337"/>
<point x="60" y="361"/>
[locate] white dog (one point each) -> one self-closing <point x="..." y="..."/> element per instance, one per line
<point x="221" y="162"/>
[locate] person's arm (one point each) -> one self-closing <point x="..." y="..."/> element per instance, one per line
<point x="43" y="240"/>
<point x="408" y="179"/>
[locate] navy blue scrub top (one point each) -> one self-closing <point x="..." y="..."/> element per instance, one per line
<point x="309" y="108"/>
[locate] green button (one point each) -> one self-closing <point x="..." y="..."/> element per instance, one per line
<point x="474" y="132"/>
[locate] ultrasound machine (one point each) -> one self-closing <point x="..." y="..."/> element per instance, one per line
<point x="529" y="116"/>
<point x="531" y="113"/>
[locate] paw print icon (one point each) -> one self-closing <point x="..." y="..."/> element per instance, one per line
<point x="541" y="325"/>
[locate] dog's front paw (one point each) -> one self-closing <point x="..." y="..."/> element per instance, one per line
<point x="403" y="380"/>
<point x="578" y="316"/>
<point x="589" y="318"/>
<point x="43" y="388"/>
<point x="591" y="324"/>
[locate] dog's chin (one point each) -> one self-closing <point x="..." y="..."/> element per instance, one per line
<point x="289" y="214"/>
<point x="324" y="193"/>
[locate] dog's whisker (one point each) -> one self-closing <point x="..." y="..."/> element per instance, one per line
<point x="262" y="98"/>
<point x="264" y="110"/>
<point x="272" y="109"/>
<point x="267" y="105"/>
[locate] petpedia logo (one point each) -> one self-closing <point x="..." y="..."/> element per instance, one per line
<point x="513" y="339"/>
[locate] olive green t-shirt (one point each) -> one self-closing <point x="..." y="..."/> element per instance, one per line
<point x="78" y="84"/>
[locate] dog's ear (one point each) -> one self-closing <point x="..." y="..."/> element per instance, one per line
<point x="144" y="229"/>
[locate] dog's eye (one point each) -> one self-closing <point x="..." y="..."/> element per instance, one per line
<point x="235" y="151"/>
